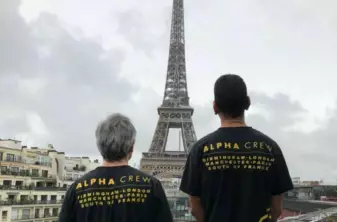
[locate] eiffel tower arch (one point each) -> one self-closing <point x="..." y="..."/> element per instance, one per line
<point x="175" y="110"/>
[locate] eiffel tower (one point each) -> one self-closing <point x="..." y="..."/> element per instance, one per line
<point x="175" y="110"/>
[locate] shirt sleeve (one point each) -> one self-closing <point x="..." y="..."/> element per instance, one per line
<point x="191" y="179"/>
<point x="67" y="213"/>
<point x="281" y="180"/>
<point x="163" y="213"/>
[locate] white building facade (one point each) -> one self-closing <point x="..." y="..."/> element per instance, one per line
<point x="33" y="181"/>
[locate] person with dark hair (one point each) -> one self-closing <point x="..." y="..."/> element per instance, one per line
<point x="116" y="192"/>
<point x="236" y="173"/>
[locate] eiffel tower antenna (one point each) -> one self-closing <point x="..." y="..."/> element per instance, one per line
<point x="175" y="110"/>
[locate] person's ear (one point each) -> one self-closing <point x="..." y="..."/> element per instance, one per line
<point x="215" y="108"/>
<point x="247" y="103"/>
<point x="131" y="152"/>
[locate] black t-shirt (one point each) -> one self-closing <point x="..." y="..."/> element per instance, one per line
<point x="235" y="172"/>
<point x="116" y="194"/>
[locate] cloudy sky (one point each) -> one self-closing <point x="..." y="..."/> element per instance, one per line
<point x="66" y="64"/>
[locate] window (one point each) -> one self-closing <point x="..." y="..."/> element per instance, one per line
<point x="44" y="173"/>
<point x="25" y="214"/>
<point x="37" y="213"/>
<point x="14" y="214"/>
<point x="7" y="183"/>
<point x="10" y="157"/>
<point x="19" y="183"/>
<point x="43" y="160"/>
<point x="55" y="212"/>
<point x="1" y="155"/>
<point x="4" y="215"/>
<point x="75" y="176"/>
<point x="15" y="169"/>
<point x="35" y="172"/>
<point x="46" y="212"/>
<point x="3" y="170"/>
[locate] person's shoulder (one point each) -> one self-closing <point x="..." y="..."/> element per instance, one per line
<point x="135" y="171"/>
<point x="138" y="172"/>
<point x="76" y="184"/>
<point x="148" y="177"/>
<point x="265" y="138"/>
<point x="199" y="144"/>
<point x="262" y="135"/>
<point x="87" y="176"/>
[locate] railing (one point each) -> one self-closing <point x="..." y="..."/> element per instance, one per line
<point x="32" y="188"/>
<point x="81" y="168"/>
<point x="165" y="156"/>
<point x="39" y="176"/>
<point x="14" y="160"/>
<point x="26" y="202"/>
<point x="51" y="188"/>
<point x="69" y="178"/>
<point x="27" y="174"/>
<point x="28" y="217"/>
<point x="13" y="173"/>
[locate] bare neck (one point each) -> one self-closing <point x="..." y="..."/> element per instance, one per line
<point x="232" y="122"/>
<point x="123" y="162"/>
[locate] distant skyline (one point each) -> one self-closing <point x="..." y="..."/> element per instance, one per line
<point x="65" y="65"/>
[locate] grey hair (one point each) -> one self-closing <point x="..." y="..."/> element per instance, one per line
<point x="115" y="137"/>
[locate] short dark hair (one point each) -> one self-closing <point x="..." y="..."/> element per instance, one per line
<point x="230" y="95"/>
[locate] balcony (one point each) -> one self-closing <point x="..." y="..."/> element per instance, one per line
<point x="28" y="217"/>
<point x="33" y="175"/>
<point x="69" y="179"/>
<point x="42" y="164"/>
<point x="30" y="202"/>
<point x="76" y="168"/>
<point x="41" y="176"/>
<point x="4" y="187"/>
<point x="19" y="160"/>
<point x="14" y="160"/>
<point x="15" y="173"/>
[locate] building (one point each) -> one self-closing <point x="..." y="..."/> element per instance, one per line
<point x="310" y="203"/>
<point x="33" y="181"/>
<point x="296" y="181"/>
<point x="76" y="167"/>
<point x="299" y="210"/>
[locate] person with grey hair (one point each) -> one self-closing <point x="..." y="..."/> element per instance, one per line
<point x="116" y="192"/>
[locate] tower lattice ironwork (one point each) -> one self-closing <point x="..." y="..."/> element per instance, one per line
<point x="175" y="110"/>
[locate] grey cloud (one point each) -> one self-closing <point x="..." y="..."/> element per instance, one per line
<point x="283" y="111"/>
<point x="13" y="126"/>
<point x="308" y="154"/>
<point x="83" y="80"/>
<point x="145" y="33"/>
<point x="16" y="44"/>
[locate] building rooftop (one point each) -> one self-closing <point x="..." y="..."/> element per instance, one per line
<point x="311" y="210"/>
<point x="307" y="206"/>
<point x="317" y="216"/>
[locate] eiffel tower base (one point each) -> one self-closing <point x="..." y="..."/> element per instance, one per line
<point x="166" y="167"/>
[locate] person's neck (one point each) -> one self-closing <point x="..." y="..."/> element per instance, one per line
<point x="232" y="122"/>
<point x="123" y="162"/>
